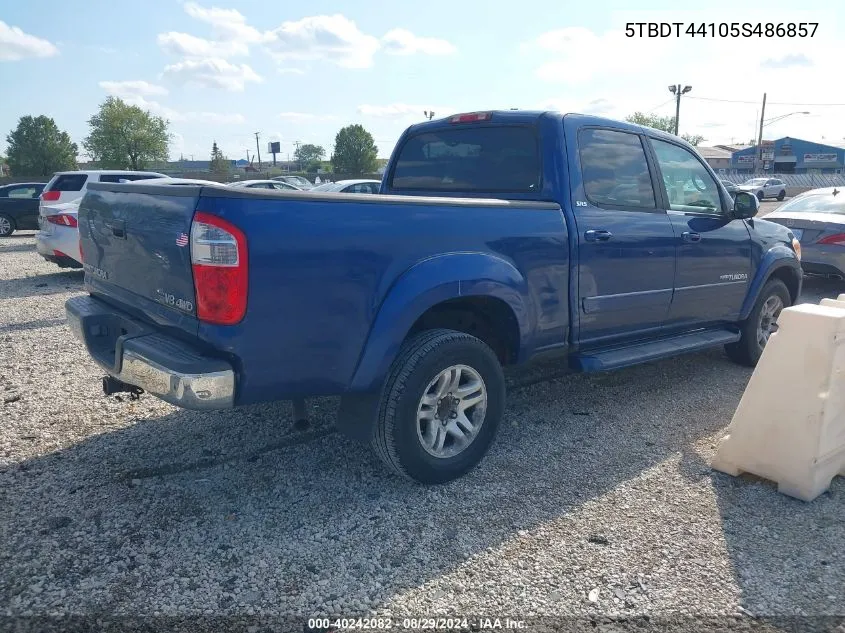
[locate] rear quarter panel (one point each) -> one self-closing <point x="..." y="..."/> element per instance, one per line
<point x="321" y="270"/>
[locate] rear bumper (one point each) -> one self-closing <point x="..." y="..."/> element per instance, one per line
<point x="135" y="353"/>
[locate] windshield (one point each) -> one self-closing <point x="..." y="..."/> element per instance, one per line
<point x="755" y="182"/>
<point x="329" y="186"/>
<point x="817" y="203"/>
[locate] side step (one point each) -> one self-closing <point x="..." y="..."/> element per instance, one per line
<point x="615" y="358"/>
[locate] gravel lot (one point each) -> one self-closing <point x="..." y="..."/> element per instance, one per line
<point x="597" y="498"/>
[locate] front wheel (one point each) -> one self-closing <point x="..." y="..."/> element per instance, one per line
<point x="7" y="225"/>
<point x="441" y="407"/>
<point x="760" y="196"/>
<point x="760" y="324"/>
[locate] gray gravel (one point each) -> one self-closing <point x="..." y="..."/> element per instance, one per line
<point x="596" y="499"/>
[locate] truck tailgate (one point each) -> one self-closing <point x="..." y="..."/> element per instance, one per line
<point x="135" y="242"/>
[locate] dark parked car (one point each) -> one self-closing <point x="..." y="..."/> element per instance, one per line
<point x="19" y="207"/>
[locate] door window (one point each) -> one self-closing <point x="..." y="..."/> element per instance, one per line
<point x="615" y="170"/>
<point x="689" y="187"/>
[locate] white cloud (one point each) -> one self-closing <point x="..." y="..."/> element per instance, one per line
<point x="291" y="71"/>
<point x="227" y="24"/>
<point x="16" y="45"/>
<point x="609" y="52"/>
<point x="335" y="38"/>
<point x="403" y="42"/>
<point x="212" y="73"/>
<point x="136" y="93"/>
<point x="306" y="116"/>
<point x="402" y="111"/>
<point x="132" y="88"/>
<point x="184" y="44"/>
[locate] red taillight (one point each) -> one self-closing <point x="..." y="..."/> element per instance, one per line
<point x="472" y="117"/>
<point x="50" y="196"/>
<point x="219" y="260"/>
<point x="835" y="240"/>
<point x="62" y="219"/>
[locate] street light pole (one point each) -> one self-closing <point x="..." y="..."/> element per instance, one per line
<point x="760" y="135"/>
<point x="677" y="90"/>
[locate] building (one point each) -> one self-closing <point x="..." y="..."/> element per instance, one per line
<point x="791" y="156"/>
<point x="718" y="158"/>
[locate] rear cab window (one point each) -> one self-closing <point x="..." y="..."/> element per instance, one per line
<point x="477" y="159"/>
<point x="68" y="182"/>
<point x="614" y="169"/>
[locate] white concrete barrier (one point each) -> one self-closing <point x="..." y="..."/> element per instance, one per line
<point x="789" y="426"/>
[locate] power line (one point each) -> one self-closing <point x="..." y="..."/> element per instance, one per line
<point x="660" y="106"/>
<point x="817" y="105"/>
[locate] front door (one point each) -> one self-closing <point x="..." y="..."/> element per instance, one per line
<point x="626" y="245"/>
<point x="713" y="251"/>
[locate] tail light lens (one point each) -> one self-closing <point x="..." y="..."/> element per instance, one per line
<point x="219" y="261"/>
<point x="835" y="240"/>
<point x="62" y="219"/>
<point x="51" y="196"/>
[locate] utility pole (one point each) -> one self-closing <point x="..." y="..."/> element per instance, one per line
<point x="760" y="134"/>
<point x="297" y="156"/>
<point x="258" y="149"/>
<point x="678" y="91"/>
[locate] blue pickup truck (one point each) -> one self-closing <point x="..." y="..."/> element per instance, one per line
<point x="497" y="238"/>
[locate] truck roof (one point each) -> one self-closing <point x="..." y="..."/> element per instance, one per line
<point x="527" y="116"/>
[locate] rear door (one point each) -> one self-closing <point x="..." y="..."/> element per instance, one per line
<point x="714" y="251"/>
<point x="135" y="246"/>
<point x="626" y="246"/>
<point x="22" y="204"/>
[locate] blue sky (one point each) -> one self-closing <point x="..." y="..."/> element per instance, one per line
<point x="223" y="69"/>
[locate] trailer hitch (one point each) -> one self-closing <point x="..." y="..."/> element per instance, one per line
<point x="113" y="385"/>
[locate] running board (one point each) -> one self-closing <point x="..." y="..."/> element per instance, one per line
<point x="604" y="360"/>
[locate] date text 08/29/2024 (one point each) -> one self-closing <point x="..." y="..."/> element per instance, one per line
<point x="721" y="29"/>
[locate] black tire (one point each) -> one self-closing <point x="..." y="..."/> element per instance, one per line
<point x="781" y="195"/>
<point x="7" y="225"/>
<point x="420" y="360"/>
<point x="760" y="196"/>
<point x="747" y="350"/>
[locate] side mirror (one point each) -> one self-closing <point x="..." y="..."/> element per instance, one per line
<point x="746" y="205"/>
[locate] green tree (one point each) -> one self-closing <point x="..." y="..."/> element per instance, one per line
<point x="124" y="136"/>
<point x="664" y="123"/>
<point x="355" y="151"/>
<point x="309" y="156"/>
<point x="219" y="163"/>
<point x="37" y="147"/>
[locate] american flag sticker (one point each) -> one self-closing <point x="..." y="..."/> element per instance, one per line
<point x="182" y="240"/>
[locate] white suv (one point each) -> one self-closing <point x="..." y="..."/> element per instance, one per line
<point x="765" y="188"/>
<point x="67" y="186"/>
<point x="57" y="240"/>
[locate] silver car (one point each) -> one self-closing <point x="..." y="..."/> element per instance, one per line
<point x="817" y="218"/>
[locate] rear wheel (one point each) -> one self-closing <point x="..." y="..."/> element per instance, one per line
<point x="7" y="225"/>
<point x="441" y="407"/>
<point x="782" y="194"/>
<point x="760" y="324"/>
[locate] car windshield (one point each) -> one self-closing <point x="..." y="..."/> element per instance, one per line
<point x="755" y="182"/>
<point x="817" y="203"/>
<point x="329" y="186"/>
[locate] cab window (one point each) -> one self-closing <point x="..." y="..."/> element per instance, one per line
<point x="688" y="185"/>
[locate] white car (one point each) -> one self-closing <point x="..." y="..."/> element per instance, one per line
<point x="764" y="188"/>
<point x="57" y="241"/>
<point x="67" y="186"/>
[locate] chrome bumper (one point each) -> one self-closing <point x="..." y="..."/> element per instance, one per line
<point x="136" y="354"/>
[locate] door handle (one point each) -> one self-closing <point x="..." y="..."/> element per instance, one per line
<point x="597" y="235"/>
<point x="691" y="237"/>
<point x="118" y="228"/>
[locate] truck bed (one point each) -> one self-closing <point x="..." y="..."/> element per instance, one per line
<point x="323" y="269"/>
